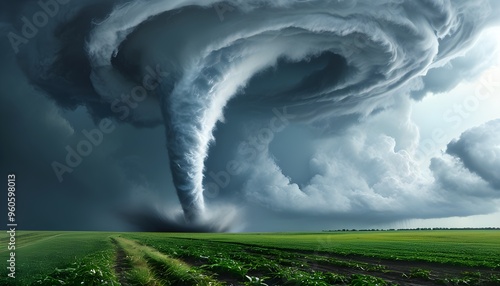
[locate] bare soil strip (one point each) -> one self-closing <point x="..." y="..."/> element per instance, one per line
<point x="122" y="266"/>
<point x="395" y="270"/>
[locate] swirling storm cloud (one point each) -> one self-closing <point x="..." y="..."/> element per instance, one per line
<point x="341" y="74"/>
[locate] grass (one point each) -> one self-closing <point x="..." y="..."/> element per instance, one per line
<point x="140" y="273"/>
<point x="367" y="258"/>
<point x="40" y="253"/>
<point x="93" y="270"/>
<point x="150" y="267"/>
<point x="467" y="248"/>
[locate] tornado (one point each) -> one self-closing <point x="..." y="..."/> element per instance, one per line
<point x="315" y="58"/>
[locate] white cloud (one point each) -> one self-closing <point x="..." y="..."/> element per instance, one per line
<point x="479" y="150"/>
<point x="370" y="171"/>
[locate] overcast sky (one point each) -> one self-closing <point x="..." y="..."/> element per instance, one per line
<point x="251" y="115"/>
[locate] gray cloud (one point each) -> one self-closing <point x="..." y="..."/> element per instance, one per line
<point x="339" y="64"/>
<point x="183" y="66"/>
<point x="463" y="68"/>
<point x="370" y="171"/>
<point x="479" y="151"/>
<point x="36" y="132"/>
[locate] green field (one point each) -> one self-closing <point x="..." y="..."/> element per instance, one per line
<point x="469" y="257"/>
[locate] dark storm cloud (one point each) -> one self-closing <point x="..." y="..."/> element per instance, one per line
<point x="35" y="133"/>
<point x="334" y="58"/>
<point x="331" y="64"/>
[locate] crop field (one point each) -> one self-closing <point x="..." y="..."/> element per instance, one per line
<point x="469" y="257"/>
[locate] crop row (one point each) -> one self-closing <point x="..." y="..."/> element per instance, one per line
<point x="261" y="266"/>
<point x="155" y="259"/>
<point x="244" y="263"/>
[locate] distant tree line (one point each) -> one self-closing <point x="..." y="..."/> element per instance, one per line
<point x="413" y="229"/>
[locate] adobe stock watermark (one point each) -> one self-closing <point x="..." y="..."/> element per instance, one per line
<point x="122" y="108"/>
<point x="488" y="85"/>
<point x="249" y="151"/>
<point x="31" y="26"/>
<point x="223" y="8"/>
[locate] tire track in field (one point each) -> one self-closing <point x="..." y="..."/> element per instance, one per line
<point x="122" y="266"/>
<point x="138" y="272"/>
<point x="155" y="267"/>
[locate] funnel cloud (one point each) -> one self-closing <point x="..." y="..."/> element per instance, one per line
<point x="235" y="90"/>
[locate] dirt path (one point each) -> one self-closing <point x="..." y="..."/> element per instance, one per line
<point x="148" y="266"/>
<point x="122" y="266"/>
